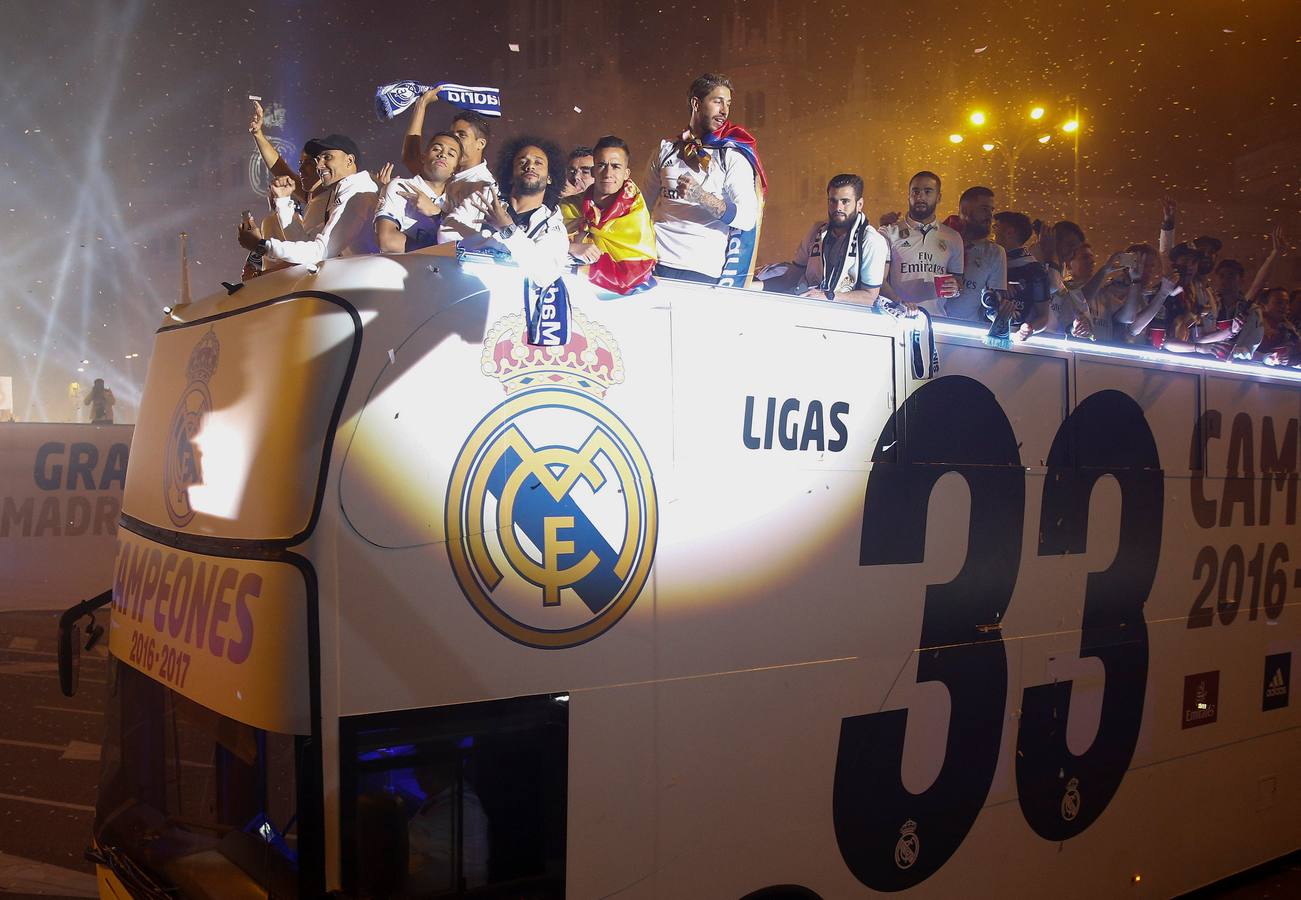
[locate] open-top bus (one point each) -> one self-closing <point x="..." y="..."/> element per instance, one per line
<point x="721" y="599"/>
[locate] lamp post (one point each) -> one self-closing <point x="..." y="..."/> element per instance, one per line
<point x="1030" y="133"/>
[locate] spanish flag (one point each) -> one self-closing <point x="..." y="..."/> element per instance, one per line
<point x="623" y="234"/>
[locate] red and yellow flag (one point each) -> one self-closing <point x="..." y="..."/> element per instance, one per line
<point x="622" y="232"/>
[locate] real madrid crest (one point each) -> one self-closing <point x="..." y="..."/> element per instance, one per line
<point x="1071" y="800"/>
<point x="183" y="465"/>
<point x="551" y="509"/>
<point x="907" y="848"/>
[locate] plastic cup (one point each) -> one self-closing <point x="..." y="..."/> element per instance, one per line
<point x="1157" y="336"/>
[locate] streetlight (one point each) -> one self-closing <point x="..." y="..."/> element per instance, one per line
<point x="1072" y="127"/>
<point x="1032" y="132"/>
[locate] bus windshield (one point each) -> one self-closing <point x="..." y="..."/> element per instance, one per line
<point x="193" y="800"/>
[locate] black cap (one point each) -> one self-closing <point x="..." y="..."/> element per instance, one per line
<point x="336" y="142"/>
<point x="313" y="148"/>
<point x="1208" y="243"/>
<point x="1182" y="249"/>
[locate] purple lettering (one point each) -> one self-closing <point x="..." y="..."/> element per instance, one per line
<point x="164" y="593"/>
<point x="200" y="602"/>
<point x="249" y="586"/>
<point x="221" y="611"/>
<point x="180" y="605"/>
<point x="153" y="566"/>
<point x="134" y="577"/>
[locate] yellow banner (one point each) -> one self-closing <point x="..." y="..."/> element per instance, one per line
<point x="230" y="634"/>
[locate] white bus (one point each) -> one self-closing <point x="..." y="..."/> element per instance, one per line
<point x="720" y="600"/>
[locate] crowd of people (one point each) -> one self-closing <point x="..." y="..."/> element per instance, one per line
<point x="696" y="218"/>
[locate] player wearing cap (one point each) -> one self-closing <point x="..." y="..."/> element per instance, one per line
<point x="349" y="207"/>
<point x="921" y="249"/>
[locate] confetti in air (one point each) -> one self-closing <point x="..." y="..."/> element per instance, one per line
<point x="514" y="48"/>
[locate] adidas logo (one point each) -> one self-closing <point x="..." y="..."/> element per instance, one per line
<point x="1277" y="686"/>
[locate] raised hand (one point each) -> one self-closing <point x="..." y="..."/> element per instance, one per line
<point x="255" y="123"/>
<point x="1168" y="208"/>
<point x="281" y="186"/>
<point x="1278" y="240"/>
<point x="249" y="233"/>
<point x="384" y="175"/>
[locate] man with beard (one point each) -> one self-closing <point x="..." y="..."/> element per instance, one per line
<point x="578" y="172"/>
<point x="705" y="188"/>
<point x="410" y="209"/>
<point x="984" y="261"/>
<point x="842" y="258"/>
<point x="349" y="208"/>
<point x="527" y="225"/>
<point x="608" y="225"/>
<point x="922" y="251"/>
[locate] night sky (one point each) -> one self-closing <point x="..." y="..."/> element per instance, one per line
<point x="124" y="121"/>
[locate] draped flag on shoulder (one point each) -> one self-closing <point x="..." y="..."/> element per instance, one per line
<point x="742" y="246"/>
<point x="394" y="99"/>
<point x="546" y="312"/>
<point x="622" y="232"/>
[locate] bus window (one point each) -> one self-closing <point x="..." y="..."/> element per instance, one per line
<point x="472" y="796"/>
<point x="201" y="802"/>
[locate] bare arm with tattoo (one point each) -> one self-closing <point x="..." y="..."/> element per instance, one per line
<point x="690" y="190"/>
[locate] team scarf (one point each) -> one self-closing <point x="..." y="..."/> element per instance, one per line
<point x="622" y="232"/>
<point x="923" y="358"/>
<point x="841" y="274"/>
<point x="546" y="313"/>
<point x="392" y="100"/>
<point x="742" y="246"/>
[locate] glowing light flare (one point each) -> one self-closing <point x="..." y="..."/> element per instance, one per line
<point x="1037" y="113"/>
<point x="976" y="118"/>
<point x="955" y="138"/>
<point x="817" y="509"/>
<point x="1070" y="126"/>
<point x="988" y="147"/>
<point x="223" y="449"/>
<point x="1045" y="138"/>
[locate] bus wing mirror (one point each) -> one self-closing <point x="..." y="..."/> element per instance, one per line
<point x="69" y="657"/>
<point x="70" y="639"/>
